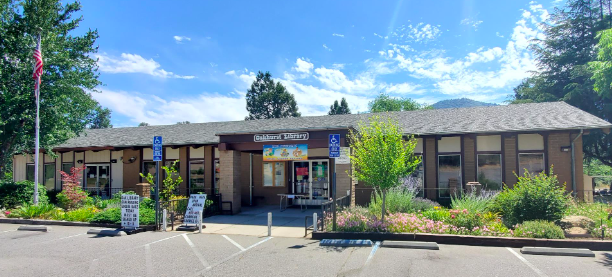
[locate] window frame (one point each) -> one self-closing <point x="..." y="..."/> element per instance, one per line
<point x="438" y="175"/>
<point x="45" y="175"/>
<point x="521" y="171"/>
<point x="284" y="178"/>
<point x="143" y="169"/>
<point x="501" y="166"/>
<point x="203" y="162"/>
<point x="34" y="173"/>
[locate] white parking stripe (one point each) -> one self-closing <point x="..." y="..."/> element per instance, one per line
<point x="374" y="248"/>
<point x="540" y="273"/>
<point x="196" y="252"/>
<point x="234" y="255"/>
<point x="234" y="243"/>
<point x="149" y="260"/>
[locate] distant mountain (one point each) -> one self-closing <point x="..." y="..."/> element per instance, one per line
<point x="460" y="103"/>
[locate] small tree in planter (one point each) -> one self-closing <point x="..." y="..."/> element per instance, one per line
<point x="381" y="156"/>
<point x="72" y="195"/>
<point x="171" y="182"/>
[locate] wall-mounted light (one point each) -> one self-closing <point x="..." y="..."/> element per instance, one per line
<point x="566" y="148"/>
<point x="129" y="161"/>
<point x="80" y="161"/>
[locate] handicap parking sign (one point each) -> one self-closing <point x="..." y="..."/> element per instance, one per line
<point x="334" y="145"/>
<point x="157" y="148"/>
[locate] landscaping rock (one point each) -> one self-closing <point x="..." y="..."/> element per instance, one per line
<point x="576" y="226"/>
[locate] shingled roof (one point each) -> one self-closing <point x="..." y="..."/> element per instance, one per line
<point x="496" y="119"/>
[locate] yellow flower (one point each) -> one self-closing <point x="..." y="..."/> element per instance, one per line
<point x="436" y="207"/>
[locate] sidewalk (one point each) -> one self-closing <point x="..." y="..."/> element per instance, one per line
<point x="253" y="221"/>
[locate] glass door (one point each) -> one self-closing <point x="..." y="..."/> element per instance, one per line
<point x="97" y="178"/>
<point x="320" y="179"/>
<point x="301" y="177"/>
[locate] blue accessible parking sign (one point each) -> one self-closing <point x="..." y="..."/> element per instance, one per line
<point x="157" y="149"/>
<point x="334" y="145"/>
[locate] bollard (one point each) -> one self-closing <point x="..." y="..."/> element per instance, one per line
<point x="165" y="220"/>
<point x="269" y="224"/>
<point x="314" y="222"/>
<point x="200" y="222"/>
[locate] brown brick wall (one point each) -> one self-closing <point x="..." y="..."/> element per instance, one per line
<point x="430" y="168"/>
<point x="209" y="174"/>
<point x="131" y="171"/>
<point x="560" y="161"/>
<point x="469" y="160"/>
<point x="230" y="187"/>
<point x="582" y="189"/>
<point x="343" y="179"/>
<point x="510" y="159"/>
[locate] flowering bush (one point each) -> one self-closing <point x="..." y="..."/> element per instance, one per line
<point x="72" y="196"/>
<point x="539" y="229"/>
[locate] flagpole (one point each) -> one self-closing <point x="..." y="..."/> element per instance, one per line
<point x="37" y="143"/>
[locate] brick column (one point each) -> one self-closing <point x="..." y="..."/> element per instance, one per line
<point x="229" y="187"/>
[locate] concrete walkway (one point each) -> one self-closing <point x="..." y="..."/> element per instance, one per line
<point x="253" y="221"/>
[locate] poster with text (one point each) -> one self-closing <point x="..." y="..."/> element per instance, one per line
<point x="129" y="211"/>
<point x="195" y="205"/>
<point x="293" y="152"/>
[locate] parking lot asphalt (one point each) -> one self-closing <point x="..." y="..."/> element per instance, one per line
<point x="69" y="251"/>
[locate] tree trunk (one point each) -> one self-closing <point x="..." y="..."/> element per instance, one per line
<point x="384" y="199"/>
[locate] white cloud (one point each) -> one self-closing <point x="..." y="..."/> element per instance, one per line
<point x="471" y="22"/>
<point x="336" y="80"/>
<point x="420" y="32"/>
<point x="404" y="88"/>
<point x="180" y="39"/>
<point x="303" y="66"/>
<point x="338" y="35"/>
<point x="327" y="48"/>
<point x="133" y="63"/>
<point x="338" y="66"/>
<point x="157" y="111"/>
<point x="499" y="35"/>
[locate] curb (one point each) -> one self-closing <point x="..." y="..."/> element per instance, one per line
<point x="575" y="252"/>
<point x="106" y="232"/>
<point x="410" y="245"/>
<point x="66" y="223"/>
<point x="34" y="228"/>
<point x="594" y="245"/>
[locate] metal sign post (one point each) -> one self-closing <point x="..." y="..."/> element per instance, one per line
<point x="334" y="152"/>
<point x="157" y="157"/>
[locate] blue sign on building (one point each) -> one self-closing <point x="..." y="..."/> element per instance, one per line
<point x="157" y="149"/>
<point x="334" y="145"/>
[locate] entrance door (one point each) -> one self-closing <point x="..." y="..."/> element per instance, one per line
<point x="311" y="178"/>
<point x="97" y="178"/>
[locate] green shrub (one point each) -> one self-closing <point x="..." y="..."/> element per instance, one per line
<point x="399" y="200"/>
<point x="40" y="211"/>
<point x="84" y="214"/>
<point x="113" y="216"/>
<point x="13" y="194"/>
<point x="437" y="214"/>
<point x="473" y="202"/>
<point x="72" y="196"/>
<point x="539" y="229"/>
<point x="423" y="204"/>
<point x="533" y="197"/>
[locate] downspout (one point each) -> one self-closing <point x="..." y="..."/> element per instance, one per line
<point x="574" y="163"/>
<point x="251" y="179"/>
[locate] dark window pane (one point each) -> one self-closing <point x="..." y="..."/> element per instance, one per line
<point x="196" y="176"/>
<point x="449" y="174"/>
<point x="30" y="172"/>
<point x="534" y="163"/>
<point x="49" y="176"/>
<point x="490" y="171"/>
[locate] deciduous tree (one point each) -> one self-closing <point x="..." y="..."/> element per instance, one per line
<point x="69" y="73"/>
<point x="386" y="103"/>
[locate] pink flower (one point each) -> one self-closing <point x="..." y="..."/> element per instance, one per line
<point x="7" y="212"/>
<point x="453" y="216"/>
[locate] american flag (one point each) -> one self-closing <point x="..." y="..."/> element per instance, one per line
<point x="38" y="68"/>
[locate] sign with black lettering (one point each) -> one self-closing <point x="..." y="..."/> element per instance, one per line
<point x="129" y="211"/>
<point x="195" y="205"/>
<point x="281" y="137"/>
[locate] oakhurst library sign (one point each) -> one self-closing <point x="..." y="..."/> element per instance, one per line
<point x="281" y="137"/>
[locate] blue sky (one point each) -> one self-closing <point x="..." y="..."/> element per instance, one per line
<point x="193" y="60"/>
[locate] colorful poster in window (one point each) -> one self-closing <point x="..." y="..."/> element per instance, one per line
<point x="293" y="152"/>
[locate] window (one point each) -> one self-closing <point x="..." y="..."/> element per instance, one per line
<point x="532" y="162"/>
<point x="196" y="176"/>
<point x="30" y="172"/>
<point x="490" y="171"/>
<point x="49" y="176"/>
<point x="177" y="167"/>
<point x="217" y="175"/>
<point x="148" y="167"/>
<point x="274" y="174"/>
<point x="449" y="174"/>
<point x="67" y="167"/>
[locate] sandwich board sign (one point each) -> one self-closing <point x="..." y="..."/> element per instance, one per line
<point x="129" y="211"/>
<point x="195" y="205"/>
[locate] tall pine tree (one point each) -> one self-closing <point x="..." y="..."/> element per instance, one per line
<point x="269" y="99"/>
<point x="341" y="108"/>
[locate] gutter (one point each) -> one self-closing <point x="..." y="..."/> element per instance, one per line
<point x="574" y="188"/>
